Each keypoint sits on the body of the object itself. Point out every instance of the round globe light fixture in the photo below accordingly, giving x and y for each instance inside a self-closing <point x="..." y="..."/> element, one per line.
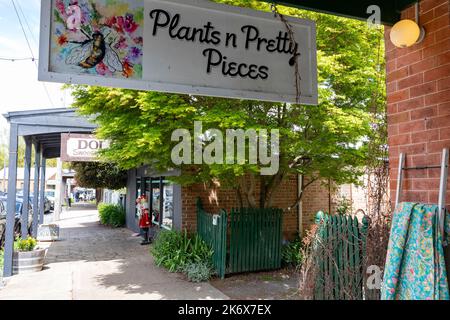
<point x="406" y="33"/>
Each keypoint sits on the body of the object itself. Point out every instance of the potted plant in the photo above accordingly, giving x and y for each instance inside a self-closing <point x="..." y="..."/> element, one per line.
<point x="28" y="257"/>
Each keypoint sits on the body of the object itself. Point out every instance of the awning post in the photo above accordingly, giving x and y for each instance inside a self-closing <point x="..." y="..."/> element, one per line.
<point x="11" y="202"/>
<point x="26" y="187"/>
<point x="37" y="165"/>
<point x="42" y="191"/>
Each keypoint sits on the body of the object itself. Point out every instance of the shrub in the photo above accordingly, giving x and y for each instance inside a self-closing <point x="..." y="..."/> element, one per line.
<point x="26" y="245"/>
<point x="170" y="250"/>
<point x="344" y="206"/>
<point x="175" y="250"/>
<point x="198" y="271"/>
<point x="291" y="253"/>
<point x="200" y="251"/>
<point x="111" y="215"/>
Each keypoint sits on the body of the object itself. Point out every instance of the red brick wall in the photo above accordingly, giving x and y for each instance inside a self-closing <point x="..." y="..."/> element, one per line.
<point x="214" y="199"/>
<point x="316" y="198"/>
<point x="418" y="86"/>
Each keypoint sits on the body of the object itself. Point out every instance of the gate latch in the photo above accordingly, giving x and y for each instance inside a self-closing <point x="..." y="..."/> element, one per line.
<point x="216" y="219"/>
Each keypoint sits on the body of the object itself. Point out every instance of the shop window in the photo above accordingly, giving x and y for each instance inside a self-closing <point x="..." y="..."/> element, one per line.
<point x="138" y="193"/>
<point x="160" y="195"/>
<point x="168" y="212"/>
<point x="155" y="203"/>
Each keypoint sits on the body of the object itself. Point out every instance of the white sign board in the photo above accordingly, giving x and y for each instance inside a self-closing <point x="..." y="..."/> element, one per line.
<point x="183" y="46"/>
<point x="81" y="147"/>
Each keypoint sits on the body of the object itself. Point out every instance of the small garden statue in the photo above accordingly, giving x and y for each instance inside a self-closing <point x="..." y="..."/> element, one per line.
<point x="142" y="206"/>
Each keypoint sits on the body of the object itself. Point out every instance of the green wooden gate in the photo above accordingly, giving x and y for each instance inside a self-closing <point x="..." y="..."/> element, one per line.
<point x="213" y="230"/>
<point x="250" y="240"/>
<point x="255" y="239"/>
<point x="340" y="248"/>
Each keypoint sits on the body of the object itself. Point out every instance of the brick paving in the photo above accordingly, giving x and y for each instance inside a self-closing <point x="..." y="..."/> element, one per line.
<point x="93" y="262"/>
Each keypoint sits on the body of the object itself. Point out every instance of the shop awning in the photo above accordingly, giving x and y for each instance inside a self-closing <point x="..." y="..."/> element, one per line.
<point x="390" y="9"/>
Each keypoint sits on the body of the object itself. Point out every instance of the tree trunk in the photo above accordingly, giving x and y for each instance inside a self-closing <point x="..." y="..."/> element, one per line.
<point x="239" y="197"/>
<point x="270" y="188"/>
<point x="247" y="191"/>
<point x="98" y="195"/>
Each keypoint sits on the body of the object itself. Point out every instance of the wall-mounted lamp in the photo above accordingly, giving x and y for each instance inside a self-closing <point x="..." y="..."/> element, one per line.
<point x="406" y="33"/>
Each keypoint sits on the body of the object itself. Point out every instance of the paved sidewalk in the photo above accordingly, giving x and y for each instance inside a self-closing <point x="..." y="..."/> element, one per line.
<point x="93" y="262"/>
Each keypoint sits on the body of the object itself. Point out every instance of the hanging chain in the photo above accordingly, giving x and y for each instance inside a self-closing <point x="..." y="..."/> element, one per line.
<point x="294" y="60"/>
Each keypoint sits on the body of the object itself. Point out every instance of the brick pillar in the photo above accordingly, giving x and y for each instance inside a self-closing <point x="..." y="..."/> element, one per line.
<point x="418" y="89"/>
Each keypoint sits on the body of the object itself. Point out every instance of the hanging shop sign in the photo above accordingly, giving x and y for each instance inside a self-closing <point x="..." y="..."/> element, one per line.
<point x="81" y="147"/>
<point x="183" y="46"/>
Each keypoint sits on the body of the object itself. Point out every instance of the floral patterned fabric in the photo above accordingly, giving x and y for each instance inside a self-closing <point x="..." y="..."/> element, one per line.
<point x="415" y="265"/>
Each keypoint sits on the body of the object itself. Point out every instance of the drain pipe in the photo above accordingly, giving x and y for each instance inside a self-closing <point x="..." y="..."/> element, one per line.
<point x="300" y="205"/>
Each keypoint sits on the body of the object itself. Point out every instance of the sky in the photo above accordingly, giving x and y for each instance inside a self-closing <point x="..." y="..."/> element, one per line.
<point x="19" y="87"/>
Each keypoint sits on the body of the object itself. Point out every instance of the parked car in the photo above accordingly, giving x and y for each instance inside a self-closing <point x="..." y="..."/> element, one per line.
<point x="47" y="203"/>
<point x="17" y="224"/>
<point x="50" y="195"/>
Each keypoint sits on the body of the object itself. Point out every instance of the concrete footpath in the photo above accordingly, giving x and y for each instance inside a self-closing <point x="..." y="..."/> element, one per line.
<point x="92" y="262"/>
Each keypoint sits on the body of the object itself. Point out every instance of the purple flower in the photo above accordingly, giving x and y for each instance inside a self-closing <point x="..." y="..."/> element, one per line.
<point x="135" y="53"/>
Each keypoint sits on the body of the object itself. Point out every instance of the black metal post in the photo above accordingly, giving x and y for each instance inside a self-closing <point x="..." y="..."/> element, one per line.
<point x="161" y="201"/>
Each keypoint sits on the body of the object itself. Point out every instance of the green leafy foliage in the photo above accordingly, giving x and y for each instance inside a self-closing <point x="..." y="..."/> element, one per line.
<point x="112" y="215"/>
<point x="175" y="250"/>
<point x="96" y="175"/>
<point x="344" y="206"/>
<point x="25" y="245"/>
<point x="198" y="271"/>
<point x="291" y="253"/>
<point x="328" y="141"/>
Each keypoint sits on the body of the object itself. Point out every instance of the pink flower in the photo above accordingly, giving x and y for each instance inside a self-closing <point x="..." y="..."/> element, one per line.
<point x="138" y="40"/>
<point x="61" y="8"/>
<point x="110" y="22"/>
<point x="102" y="69"/>
<point x="121" y="44"/>
<point x="128" y="24"/>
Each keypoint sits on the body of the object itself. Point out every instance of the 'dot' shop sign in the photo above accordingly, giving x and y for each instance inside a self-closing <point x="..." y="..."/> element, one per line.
<point x="182" y="46"/>
<point x="81" y="147"/>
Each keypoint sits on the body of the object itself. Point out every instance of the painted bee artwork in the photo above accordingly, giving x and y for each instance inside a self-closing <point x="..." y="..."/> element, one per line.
<point x="94" y="51"/>
<point x="97" y="37"/>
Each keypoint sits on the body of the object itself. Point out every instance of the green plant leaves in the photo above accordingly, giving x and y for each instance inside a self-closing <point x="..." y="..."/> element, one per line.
<point x="291" y="253"/>
<point x="198" y="271"/>
<point x="25" y="245"/>
<point x="112" y="215"/>
<point x="175" y="250"/>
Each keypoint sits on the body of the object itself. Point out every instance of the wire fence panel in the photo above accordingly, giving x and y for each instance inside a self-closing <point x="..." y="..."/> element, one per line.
<point x="340" y="248"/>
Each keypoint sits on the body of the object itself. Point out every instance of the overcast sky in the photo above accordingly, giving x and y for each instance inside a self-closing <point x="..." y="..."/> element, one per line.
<point x="19" y="87"/>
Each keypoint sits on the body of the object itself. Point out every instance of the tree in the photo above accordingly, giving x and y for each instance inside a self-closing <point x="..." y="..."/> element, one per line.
<point x="326" y="141"/>
<point x="97" y="175"/>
